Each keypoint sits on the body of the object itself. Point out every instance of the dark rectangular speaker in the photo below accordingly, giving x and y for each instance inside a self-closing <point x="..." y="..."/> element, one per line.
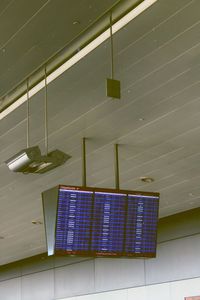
<point x="113" y="88"/>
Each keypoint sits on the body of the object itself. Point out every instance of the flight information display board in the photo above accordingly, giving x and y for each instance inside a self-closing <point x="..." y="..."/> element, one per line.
<point x="106" y="222"/>
<point x="74" y="220"/>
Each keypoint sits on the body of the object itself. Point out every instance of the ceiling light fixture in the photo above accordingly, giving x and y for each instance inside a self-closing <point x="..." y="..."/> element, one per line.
<point x="36" y="222"/>
<point x="147" y="179"/>
<point x="30" y="160"/>
<point x="78" y="56"/>
<point x="191" y="194"/>
<point x="76" y="23"/>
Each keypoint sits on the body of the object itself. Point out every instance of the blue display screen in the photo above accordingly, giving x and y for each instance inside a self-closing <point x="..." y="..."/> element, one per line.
<point x="97" y="222"/>
<point x="74" y="220"/>
<point x="109" y="219"/>
<point x="141" y="224"/>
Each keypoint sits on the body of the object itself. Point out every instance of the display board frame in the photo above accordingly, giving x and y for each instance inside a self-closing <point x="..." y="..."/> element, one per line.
<point x="51" y="232"/>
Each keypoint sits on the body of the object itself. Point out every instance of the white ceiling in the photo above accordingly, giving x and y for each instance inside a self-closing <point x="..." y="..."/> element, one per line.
<point x="32" y="31"/>
<point x="156" y="124"/>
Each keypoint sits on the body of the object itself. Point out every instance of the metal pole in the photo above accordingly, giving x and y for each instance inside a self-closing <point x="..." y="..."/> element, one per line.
<point x="111" y="47"/>
<point x="116" y="167"/>
<point x="83" y="163"/>
<point x="46" y="112"/>
<point x="28" y="117"/>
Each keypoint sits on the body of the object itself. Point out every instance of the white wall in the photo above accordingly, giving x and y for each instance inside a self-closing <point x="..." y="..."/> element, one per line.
<point x="165" y="291"/>
<point x="172" y="275"/>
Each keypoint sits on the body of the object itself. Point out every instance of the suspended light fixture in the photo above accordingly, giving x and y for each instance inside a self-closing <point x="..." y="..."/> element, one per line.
<point x="30" y="160"/>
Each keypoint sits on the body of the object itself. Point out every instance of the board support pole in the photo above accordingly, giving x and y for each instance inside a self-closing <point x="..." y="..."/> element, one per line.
<point x="116" y="164"/>
<point x="28" y="117"/>
<point x="84" y="171"/>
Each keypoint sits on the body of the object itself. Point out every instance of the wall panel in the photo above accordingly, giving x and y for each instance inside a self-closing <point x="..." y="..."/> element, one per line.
<point x="177" y="259"/>
<point x="10" y="289"/>
<point x="38" y="286"/>
<point x="186" y="288"/>
<point x="74" y="279"/>
<point x="118" y="273"/>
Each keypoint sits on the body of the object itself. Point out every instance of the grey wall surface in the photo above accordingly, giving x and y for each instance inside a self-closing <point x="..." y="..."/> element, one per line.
<point x="49" y="278"/>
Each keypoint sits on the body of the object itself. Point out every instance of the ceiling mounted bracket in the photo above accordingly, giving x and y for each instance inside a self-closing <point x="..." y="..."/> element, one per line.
<point x="116" y="165"/>
<point x="84" y="170"/>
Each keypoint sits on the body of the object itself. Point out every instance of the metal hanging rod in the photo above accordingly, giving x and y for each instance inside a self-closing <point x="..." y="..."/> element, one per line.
<point x="84" y="171"/>
<point x="46" y="113"/>
<point x="116" y="164"/>
<point x="111" y="47"/>
<point x="28" y="116"/>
